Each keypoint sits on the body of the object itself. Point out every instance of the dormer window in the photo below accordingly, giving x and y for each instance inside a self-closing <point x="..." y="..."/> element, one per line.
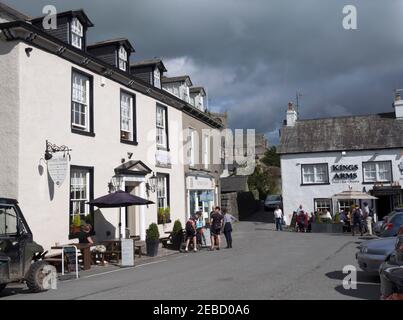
<point x="157" y="78"/>
<point x="122" y="58"/>
<point x="77" y="33"/>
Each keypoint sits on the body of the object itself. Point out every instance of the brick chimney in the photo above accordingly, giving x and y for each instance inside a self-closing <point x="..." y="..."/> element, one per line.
<point x="292" y="115"/>
<point x="398" y="104"/>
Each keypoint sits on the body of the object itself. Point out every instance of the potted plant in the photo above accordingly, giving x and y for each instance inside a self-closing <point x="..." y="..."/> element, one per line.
<point x="167" y="214"/>
<point x="152" y="240"/>
<point x="177" y="235"/>
<point x="76" y="224"/>
<point x="161" y="216"/>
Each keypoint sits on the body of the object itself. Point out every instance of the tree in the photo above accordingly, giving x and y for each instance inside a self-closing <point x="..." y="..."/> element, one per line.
<point x="271" y="158"/>
<point x="263" y="181"/>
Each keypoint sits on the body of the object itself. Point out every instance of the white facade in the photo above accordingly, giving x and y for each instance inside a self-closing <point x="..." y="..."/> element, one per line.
<point x="35" y="106"/>
<point x="296" y="191"/>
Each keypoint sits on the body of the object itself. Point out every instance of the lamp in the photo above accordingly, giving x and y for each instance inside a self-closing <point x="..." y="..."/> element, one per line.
<point x="152" y="182"/>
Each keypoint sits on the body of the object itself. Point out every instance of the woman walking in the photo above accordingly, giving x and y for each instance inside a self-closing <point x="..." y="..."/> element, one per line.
<point x="228" y="219"/>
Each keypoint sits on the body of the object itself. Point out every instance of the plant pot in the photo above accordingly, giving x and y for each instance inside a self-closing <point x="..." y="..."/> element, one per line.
<point x="75" y="230"/>
<point x="177" y="240"/>
<point x="152" y="247"/>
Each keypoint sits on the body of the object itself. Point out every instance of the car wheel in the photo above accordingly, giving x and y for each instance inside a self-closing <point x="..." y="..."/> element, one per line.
<point x="36" y="276"/>
<point x="2" y="286"/>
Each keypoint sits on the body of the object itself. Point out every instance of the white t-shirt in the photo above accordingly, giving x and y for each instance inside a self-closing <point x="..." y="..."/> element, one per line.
<point x="278" y="213"/>
<point x="327" y="215"/>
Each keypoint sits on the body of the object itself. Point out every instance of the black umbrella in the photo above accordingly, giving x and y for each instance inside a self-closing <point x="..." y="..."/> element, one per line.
<point x="119" y="199"/>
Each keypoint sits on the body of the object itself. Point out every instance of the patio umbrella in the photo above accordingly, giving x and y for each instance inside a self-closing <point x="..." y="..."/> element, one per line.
<point x="353" y="195"/>
<point x="119" y="199"/>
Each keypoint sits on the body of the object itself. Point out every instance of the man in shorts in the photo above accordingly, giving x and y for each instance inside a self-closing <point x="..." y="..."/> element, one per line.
<point x="216" y="220"/>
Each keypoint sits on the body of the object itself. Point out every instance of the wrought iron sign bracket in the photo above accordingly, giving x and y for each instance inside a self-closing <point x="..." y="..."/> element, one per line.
<point x="52" y="148"/>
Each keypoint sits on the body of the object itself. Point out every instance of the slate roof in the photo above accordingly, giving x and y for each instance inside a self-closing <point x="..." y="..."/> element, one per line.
<point x="234" y="184"/>
<point x="13" y="13"/>
<point x="149" y="62"/>
<point x="176" y="79"/>
<point x="368" y="132"/>
<point x="197" y="90"/>
<point x="79" y="13"/>
<point x="120" y="41"/>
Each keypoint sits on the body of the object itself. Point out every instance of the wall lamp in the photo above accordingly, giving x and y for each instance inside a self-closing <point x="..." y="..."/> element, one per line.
<point x="151" y="183"/>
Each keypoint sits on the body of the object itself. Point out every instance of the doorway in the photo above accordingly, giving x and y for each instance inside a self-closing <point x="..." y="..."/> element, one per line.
<point x="131" y="214"/>
<point x="384" y="206"/>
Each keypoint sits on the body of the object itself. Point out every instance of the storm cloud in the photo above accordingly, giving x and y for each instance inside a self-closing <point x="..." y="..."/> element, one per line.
<point x="254" y="55"/>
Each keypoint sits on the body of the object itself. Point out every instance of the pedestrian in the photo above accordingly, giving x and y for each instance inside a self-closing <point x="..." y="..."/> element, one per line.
<point x="199" y="228"/>
<point x="301" y="221"/>
<point x="216" y="225"/>
<point x="278" y="216"/>
<point x="227" y="221"/>
<point x="357" y="220"/>
<point x="368" y="214"/>
<point x="191" y="233"/>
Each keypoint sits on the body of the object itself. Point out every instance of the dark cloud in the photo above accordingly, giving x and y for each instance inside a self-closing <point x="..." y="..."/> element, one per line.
<point x="253" y="55"/>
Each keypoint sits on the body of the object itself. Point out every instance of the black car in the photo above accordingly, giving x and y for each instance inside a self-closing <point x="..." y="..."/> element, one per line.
<point x="391" y="271"/>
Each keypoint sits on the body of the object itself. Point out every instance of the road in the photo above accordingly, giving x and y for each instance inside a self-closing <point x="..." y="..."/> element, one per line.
<point x="263" y="264"/>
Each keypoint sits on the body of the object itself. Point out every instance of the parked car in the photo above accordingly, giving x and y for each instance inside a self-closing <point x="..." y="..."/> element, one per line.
<point x="372" y="253"/>
<point x="391" y="271"/>
<point x="391" y="228"/>
<point x="379" y="224"/>
<point x="272" y="201"/>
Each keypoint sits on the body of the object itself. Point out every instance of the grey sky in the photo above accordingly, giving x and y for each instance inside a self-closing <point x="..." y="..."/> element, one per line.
<point x="253" y="55"/>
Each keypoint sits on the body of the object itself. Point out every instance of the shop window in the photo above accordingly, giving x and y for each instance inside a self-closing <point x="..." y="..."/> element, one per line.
<point x="81" y="191"/>
<point x="323" y="205"/>
<point x="346" y="205"/>
<point x="379" y="171"/>
<point x="315" y="173"/>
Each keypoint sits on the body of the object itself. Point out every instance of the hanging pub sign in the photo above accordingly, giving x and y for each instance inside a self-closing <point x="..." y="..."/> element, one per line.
<point x="345" y="172"/>
<point x="57" y="160"/>
<point x="57" y="168"/>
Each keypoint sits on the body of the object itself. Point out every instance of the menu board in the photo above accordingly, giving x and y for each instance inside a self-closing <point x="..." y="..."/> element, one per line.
<point x="127" y="246"/>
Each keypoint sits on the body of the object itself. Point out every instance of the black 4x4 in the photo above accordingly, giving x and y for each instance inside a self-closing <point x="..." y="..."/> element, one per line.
<point x="21" y="259"/>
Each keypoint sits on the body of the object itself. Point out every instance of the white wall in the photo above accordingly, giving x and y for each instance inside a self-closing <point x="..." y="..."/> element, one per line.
<point x="295" y="194"/>
<point x="45" y="104"/>
<point x="9" y="120"/>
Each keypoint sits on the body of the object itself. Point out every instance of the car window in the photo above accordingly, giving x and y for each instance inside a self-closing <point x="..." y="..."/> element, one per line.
<point x="397" y="219"/>
<point x="8" y="221"/>
<point x="273" y="198"/>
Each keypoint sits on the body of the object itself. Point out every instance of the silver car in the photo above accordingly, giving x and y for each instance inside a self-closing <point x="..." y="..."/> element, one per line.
<point x="373" y="253"/>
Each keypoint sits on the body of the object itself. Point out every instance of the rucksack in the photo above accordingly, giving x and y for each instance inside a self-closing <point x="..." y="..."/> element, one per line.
<point x="371" y="212"/>
<point x="189" y="225"/>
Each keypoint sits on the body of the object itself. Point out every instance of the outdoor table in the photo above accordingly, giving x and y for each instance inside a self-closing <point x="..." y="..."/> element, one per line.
<point x="85" y="250"/>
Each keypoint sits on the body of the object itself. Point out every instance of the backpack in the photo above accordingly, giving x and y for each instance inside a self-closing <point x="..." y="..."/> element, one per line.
<point x="189" y="225"/>
<point x="371" y="212"/>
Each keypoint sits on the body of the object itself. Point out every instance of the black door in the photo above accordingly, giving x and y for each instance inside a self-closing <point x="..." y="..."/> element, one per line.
<point x="383" y="206"/>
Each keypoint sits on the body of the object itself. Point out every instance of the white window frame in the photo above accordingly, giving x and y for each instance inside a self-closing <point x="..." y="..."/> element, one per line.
<point x="310" y="173"/>
<point x="157" y="78"/>
<point x="323" y="204"/>
<point x="80" y="106"/>
<point x="161" y="127"/>
<point x="206" y="151"/>
<point x="126" y="116"/>
<point x="162" y="191"/>
<point x="374" y="171"/>
<point x="80" y="182"/>
<point x="77" y="33"/>
<point x="122" y="58"/>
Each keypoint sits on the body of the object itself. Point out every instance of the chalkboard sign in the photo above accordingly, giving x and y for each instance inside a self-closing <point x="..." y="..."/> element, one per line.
<point x="127" y="253"/>
<point x="207" y="235"/>
<point x="70" y="257"/>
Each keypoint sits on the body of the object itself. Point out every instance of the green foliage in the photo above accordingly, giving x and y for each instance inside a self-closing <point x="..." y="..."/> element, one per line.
<point x="177" y="229"/>
<point x="161" y="215"/>
<point x="152" y="232"/>
<point x="76" y="221"/>
<point x="336" y="218"/>
<point x="271" y="158"/>
<point x="167" y="214"/>
<point x="262" y="181"/>
<point x="326" y="220"/>
<point x="318" y="218"/>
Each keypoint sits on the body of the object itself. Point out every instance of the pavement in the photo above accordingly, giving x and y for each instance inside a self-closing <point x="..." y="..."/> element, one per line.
<point x="263" y="264"/>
